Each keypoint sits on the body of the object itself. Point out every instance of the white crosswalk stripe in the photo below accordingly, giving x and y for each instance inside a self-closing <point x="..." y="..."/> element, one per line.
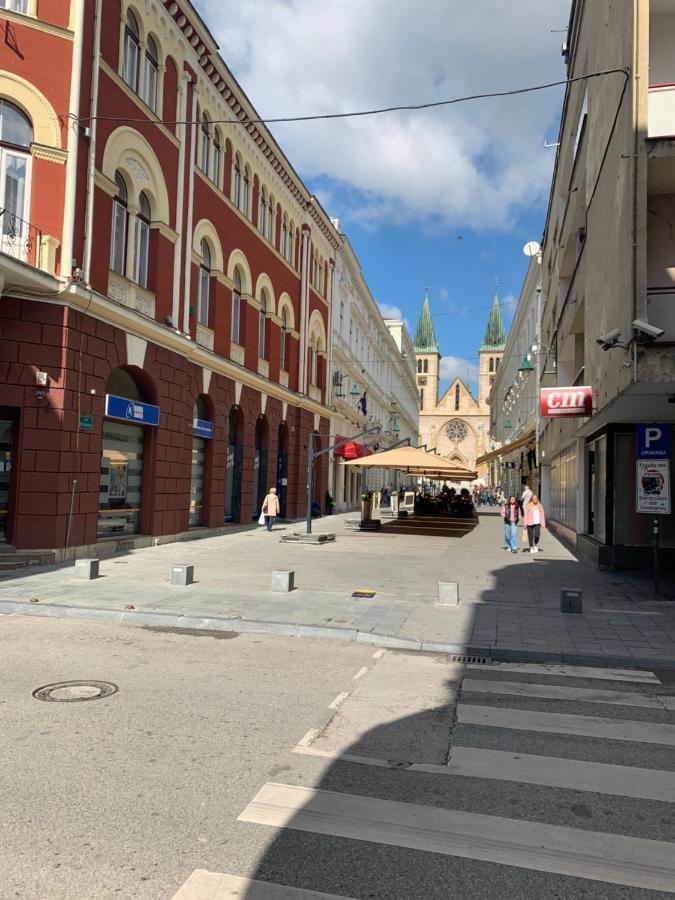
<point x="634" y="858"/>
<point x="203" y="885"/>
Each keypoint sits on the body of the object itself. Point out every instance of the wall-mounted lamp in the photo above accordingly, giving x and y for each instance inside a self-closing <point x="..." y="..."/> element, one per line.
<point x="41" y="379"/>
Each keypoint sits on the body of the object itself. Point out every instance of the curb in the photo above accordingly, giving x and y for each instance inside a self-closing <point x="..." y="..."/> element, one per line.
<point x="325" y="632"/>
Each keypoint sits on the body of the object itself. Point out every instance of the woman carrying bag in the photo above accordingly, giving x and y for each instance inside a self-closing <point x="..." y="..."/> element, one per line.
<point x="511" y="515"/>
<point x="535" y="520"/>
<point x="270" y="508"/>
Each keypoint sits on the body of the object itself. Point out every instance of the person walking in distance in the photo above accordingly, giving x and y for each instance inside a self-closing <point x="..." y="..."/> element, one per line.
<point x="271" y="507"/>
<point x="535" y="520"/>
<point x="511" y="515"/>
<point x="525" y="498"/>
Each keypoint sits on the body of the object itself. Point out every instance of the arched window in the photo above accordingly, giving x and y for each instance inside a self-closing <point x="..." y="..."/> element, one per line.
<point x="270" y="220"/>
<point x="236" y="182"/>
<point x="215" y="162"/>
<point x="283" y="338"/>
<point x="426" y="366"/>
<point x="204" y="283"/>
<point x="262" y="211"/>
<point x="150" y="75"/>
<point x="246" y="200"/>
<point x="456" y="397"/>
<point x="419" y="366"/>
<point x="16" y="135"/>
<point x="120" y="221"/>
<point x="142" y="241"/>
<point x="315" y="349"/>
<point x="236" y="307"/>
<point x="262" y="325"/>
<point x="206" y="146"/>
<point x="132" y="52"/>
<point x="497" y="361"/>
<point x="291" y="243"/>
<point x="492" y="364"/>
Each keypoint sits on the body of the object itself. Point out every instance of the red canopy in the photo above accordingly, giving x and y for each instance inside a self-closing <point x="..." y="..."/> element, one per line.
<point x="350" y="450"/>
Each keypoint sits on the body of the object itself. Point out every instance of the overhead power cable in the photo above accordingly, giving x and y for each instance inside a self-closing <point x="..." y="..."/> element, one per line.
<point x="413" y="107"/>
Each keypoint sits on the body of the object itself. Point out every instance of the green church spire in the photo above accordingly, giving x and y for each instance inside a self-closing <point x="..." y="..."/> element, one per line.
<point x="494" y="340"/>
<point x="425" y="336"/>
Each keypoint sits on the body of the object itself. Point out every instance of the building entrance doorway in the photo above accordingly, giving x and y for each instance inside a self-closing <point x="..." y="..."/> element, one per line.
<point x="235" y="467"/>
<point x="6" y="427"/>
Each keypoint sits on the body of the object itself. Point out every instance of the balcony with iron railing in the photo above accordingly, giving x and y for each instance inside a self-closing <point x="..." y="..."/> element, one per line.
<point x="19" y="239"/>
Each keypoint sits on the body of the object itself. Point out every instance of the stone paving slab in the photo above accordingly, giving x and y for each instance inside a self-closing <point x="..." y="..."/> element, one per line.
<point x="509" y="603"/>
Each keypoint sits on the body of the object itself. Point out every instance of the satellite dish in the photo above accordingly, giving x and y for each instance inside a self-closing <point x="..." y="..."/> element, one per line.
<point x="531" y="248"/>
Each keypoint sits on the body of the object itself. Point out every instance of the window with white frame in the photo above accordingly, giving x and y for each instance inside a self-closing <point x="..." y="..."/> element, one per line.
<point x="291" y="243"/>
<point x="236" y="308"/>
<point x="262" y="211"/>
<point x="236" y="182"/>
<point x="142" y="241"/>
<point x="283" y="338"/>
<point x="150" y="75"/>
<point x="206" y="146"/>
<point x="20" y="6"/>
<point x="120" y="222"/>
<point x="262" y="325"/>
<point x="204" y="283"/>
<point x="284" y="239"/>
<point x="215" y="161"/>
<point x="16" y="136"/>
<point x="132" y="52"/>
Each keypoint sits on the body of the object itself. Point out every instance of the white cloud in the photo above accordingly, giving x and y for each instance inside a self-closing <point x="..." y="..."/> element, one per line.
<point x="476" y="163"/>
<point x="509" y="302"/>
<point x="390" y="312"/>
<point x="456" y="367"/>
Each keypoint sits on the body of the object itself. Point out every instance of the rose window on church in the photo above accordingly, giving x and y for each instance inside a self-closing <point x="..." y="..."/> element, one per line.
<point x="456" y="431"/>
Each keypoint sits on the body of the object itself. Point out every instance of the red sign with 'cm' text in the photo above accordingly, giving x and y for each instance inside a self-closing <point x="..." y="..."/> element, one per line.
<point x="561" y="402"/>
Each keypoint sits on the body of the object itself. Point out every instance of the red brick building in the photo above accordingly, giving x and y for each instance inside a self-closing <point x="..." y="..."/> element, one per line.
<point x="165" y="283"/>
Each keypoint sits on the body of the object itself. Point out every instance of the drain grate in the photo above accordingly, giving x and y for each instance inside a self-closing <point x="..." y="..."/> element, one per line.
<point x="75" y="691"/>
<point x="472" y="660"/>
<point x="364" y="593"/>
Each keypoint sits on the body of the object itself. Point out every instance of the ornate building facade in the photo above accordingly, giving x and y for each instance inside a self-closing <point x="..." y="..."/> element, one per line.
<point x="457" y="426"/>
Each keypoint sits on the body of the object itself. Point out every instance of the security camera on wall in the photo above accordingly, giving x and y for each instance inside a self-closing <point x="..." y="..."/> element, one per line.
<point x="646" y="332"/>
<point x="609" y="340"/>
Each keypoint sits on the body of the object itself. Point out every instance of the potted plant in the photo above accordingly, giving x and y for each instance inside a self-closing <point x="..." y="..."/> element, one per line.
<point x="366" y="506"/>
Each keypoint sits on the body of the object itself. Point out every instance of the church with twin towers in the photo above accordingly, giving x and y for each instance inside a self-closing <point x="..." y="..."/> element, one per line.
<point x="457" y="425"/>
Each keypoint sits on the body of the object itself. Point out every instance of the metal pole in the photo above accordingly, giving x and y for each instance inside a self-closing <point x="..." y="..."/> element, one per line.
<point x="310" y="480"/>
<point x="656" y="556"/>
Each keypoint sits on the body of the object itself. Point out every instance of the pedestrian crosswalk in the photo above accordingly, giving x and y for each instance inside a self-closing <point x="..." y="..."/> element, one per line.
<point x="552" y="802"/>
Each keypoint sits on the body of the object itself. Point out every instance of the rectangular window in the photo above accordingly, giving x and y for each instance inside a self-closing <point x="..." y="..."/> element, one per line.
<point x="421" y="399"/>
<point x="150" y="85"/>
<point x="215" y="174"/>
<point x="236" y="309"/>
<point x="131" y="60"/>
<point x="203" y="311"/>
<point x="118" y="250"/>
<point x="20" y="6"/>
<point x="581" y="125"/>
<point x="142" y="244"/>
<point x="261" y="334"/>
<point x="282" y="349"/>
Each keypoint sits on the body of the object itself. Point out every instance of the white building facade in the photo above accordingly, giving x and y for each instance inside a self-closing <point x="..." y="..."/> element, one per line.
<point x="372" y="381"/>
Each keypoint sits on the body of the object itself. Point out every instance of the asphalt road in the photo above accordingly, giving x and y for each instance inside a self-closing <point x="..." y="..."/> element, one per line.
<point x="324" y="767"/>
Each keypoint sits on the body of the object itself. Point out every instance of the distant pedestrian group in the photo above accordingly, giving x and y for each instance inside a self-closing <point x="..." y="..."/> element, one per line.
<point x="527" y="512"/>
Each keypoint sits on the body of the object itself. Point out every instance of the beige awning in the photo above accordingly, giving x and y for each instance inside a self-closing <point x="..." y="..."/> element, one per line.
<point x="506" y="449"/>
<point x="414" y="461"/>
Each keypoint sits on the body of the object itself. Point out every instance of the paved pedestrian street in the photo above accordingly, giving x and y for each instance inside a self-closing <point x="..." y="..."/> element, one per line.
<point x="257" y="766"/>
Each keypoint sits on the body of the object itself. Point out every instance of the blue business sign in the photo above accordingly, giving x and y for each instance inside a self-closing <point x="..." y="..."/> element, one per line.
<point x="131" y="410"/>
<point x="201" y="428"/>
<point x="653" y="441"/>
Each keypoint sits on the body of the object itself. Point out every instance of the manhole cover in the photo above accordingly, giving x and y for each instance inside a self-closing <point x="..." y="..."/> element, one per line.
<point x="73" y="691"/>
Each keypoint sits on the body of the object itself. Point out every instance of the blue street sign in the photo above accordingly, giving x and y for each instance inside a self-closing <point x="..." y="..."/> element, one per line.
<point x="201" y="428"/>
<point x="653" y="441"/>
<point x="131" y="410"/>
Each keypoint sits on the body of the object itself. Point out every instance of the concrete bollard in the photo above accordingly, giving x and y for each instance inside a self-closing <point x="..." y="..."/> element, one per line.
<point x="571" y="600"/>
<point x="283" y="582"/>
<point x="448" y="593"/>
<point x="182" y="575"/>
<point x="87" y="569"/>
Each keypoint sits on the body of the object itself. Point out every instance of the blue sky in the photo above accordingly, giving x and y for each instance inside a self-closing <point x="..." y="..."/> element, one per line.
<point x="442" y="198"/>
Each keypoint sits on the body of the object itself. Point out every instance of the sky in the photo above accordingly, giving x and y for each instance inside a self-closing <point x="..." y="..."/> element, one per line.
<point x="442" y="199"/>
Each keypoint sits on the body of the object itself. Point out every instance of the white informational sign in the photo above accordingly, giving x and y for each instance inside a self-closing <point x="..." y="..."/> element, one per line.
<point x="408" y="500"/>
<point x="653" y="486"/>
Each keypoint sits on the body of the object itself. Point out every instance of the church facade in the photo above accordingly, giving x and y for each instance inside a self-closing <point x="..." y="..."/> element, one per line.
<point x="457" y="425"/>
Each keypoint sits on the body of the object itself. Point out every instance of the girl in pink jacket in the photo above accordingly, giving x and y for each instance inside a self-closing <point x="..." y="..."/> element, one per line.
<point x="535" y="520"/>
